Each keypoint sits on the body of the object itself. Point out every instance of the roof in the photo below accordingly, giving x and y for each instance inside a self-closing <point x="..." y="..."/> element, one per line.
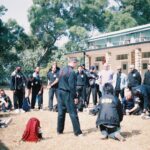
<point x="120" y="32"/>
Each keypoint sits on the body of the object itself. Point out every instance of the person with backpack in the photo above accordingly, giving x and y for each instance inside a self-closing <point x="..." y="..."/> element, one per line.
<point x="67" y="97"/>
<point x="32" y="131"/>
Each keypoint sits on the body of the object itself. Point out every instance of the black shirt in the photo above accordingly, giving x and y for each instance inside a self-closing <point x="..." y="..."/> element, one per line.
<point x="81" y="79"/>
<point x="35" y="84"/>
<point x="68" y="80"/>
<point x="147" y="78"/>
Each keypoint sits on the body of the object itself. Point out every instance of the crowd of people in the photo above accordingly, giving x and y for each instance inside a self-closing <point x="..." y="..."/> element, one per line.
<point x="114" y="94"/>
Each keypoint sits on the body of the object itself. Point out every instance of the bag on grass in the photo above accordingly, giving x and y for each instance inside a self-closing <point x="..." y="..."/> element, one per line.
<point x="32" y="132"/>
<point x="26" y="104"/>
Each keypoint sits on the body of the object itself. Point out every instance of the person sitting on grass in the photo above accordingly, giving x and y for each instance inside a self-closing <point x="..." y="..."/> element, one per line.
<point x="110" y="114"/>
<point x="130" y="103"/>
<point x="5" y="102"/>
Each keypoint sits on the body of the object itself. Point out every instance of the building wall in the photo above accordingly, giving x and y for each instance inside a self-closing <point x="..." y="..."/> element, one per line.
<point x="133" y="52"/>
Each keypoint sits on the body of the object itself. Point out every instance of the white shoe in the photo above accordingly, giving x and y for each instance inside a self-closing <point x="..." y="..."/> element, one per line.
<point x="41" y="110"/>
<point x="17" y="111"/>
<point x="22" y="111"/>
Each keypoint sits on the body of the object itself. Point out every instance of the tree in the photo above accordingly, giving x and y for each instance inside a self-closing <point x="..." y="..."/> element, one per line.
<point x="52" y="19"/>
<point x="138" y="9"/>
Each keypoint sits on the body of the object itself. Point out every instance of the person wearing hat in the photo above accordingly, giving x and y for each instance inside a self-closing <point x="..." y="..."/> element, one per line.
<point x="18" y="82"/>
<point x="67" y="97"/>
<point x="119" y="82"/>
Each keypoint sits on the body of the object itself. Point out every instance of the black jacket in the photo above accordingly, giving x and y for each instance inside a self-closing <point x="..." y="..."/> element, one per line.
<point x="81" y="79"/>
<point x="134" y="78"/>
<point x="147" y="78"/>
<point x="110" y="111"/>
<point x="68" y="80"/>
<point x="18" y="81"/>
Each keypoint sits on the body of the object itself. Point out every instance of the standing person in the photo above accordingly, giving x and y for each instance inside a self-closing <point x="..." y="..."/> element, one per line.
<point x="110" y="114"/>
<point x="146" y="83"/>
<point x="119" y="82"/>
<point x="35" y="86"/>
<point x="81" y="88"/>
<point x="134" y="78"/>
<point x="93" y="86"/>
<point x="106" y="76"/>
<point x="52" y="76"/>
<point x="67" y="98"/>
<point x="18" y="82"/>
<point x="87" y="72"/>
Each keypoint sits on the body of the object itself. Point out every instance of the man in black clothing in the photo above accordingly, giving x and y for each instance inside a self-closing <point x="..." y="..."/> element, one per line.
<point x="81" y="88"/>
<point x="134" y="78"/>
<point x="110" y="114"/>
<point x="67" y="98"/>
<point x="93" y="86"/>
<point x="34" y="85"/>
<point x="146" y="83"/>
<point x="52" y="76"/>
<point x="18" y="82"/>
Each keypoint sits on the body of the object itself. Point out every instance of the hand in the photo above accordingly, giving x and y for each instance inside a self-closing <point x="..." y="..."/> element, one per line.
<point x="127" y="112"/>
<point x="39" y="93"/>
<point x="49" y="86"/>
<point x="76" y="100"/>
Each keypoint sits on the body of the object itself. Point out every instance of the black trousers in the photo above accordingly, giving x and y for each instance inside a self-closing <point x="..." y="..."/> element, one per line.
<point x="33" y="99"/>
<point x="92" y="89"/>
<point x="18" y="98"/>
<point x="121" y="92"/>
<point x="66" y="104"/>
<point x="52" y="91"/>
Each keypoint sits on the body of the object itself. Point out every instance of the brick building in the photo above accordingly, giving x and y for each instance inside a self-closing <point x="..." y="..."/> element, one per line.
<point x="124" y="47"/>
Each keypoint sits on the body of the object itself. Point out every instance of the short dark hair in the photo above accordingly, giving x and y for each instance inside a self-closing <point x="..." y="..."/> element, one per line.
<point x="108" y="88"/>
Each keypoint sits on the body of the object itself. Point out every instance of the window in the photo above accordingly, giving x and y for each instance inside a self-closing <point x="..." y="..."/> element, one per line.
<point x="122" y="57"/>
<point x="146" y="55"/>
<point x="144" y="66"/>
<point x="101" y="58"/>
<point x="124" y="66"/>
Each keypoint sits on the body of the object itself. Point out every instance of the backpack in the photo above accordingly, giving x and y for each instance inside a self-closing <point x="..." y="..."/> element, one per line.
<point x="31" y="133"/>
<point x="26" y="104"/>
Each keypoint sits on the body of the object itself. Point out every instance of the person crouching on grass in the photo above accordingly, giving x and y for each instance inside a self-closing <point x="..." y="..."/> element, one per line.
<point x="110" y="114"/>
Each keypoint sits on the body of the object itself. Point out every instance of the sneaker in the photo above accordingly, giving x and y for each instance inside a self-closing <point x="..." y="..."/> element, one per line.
<point x="41" y="110"/>
<point x="22" y="111"/>
<point x="80" y="135"/>
<point x="17" y="111"/>
<point x="104" y="135"/>
<point x="119" y="137"/>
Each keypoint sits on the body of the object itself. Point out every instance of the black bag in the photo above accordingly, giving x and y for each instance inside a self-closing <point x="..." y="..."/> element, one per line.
<point x="26" y="104"/>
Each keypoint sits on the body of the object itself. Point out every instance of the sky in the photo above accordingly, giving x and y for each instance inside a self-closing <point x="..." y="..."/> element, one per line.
<point x="18" y="10"/>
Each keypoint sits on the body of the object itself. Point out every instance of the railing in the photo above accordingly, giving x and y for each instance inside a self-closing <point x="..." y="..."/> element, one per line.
<point x="120" y="43"/>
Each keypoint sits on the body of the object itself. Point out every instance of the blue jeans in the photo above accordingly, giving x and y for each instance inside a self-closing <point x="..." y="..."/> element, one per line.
<point x="52" y="91"/>
<point x="66" y="104"/>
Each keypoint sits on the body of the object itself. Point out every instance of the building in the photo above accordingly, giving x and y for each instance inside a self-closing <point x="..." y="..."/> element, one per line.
<point x="124" y="47"/>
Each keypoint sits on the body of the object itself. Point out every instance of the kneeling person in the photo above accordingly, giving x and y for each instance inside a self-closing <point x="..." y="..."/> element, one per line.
<point x="110" y="114"/>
